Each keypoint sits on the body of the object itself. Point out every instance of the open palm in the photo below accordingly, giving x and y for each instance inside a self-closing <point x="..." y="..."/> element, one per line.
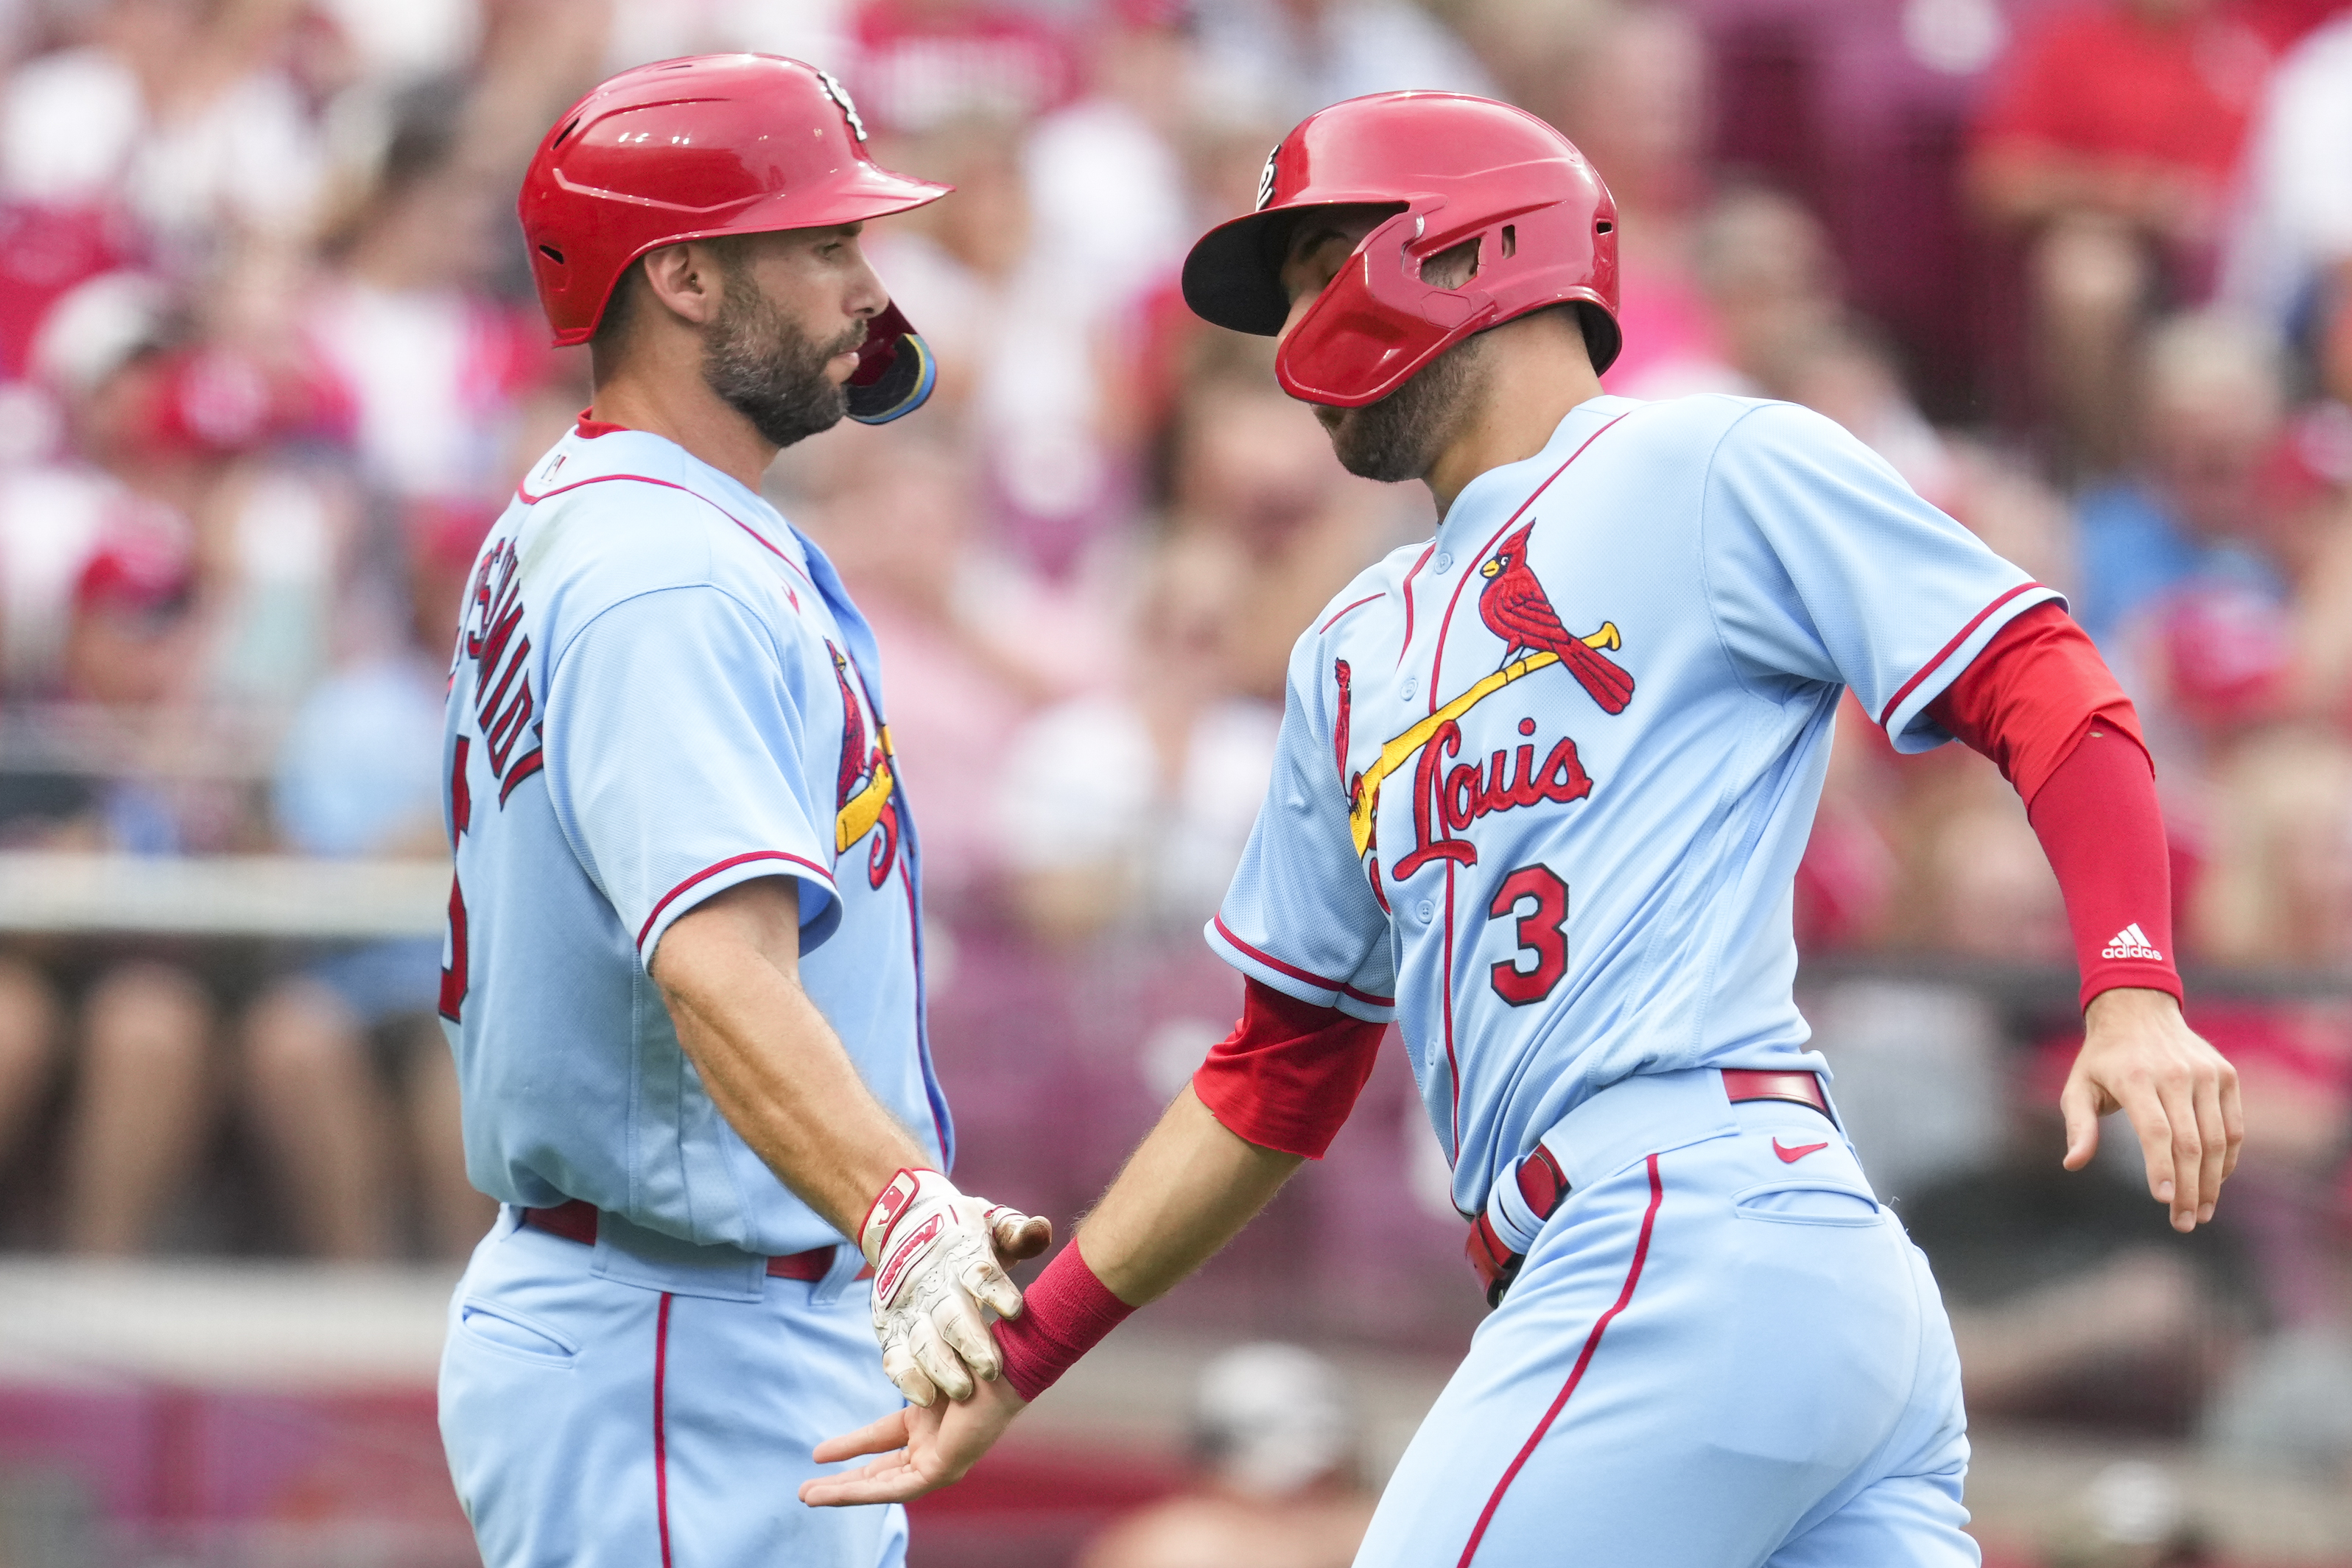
<point x="921" y="1449"/>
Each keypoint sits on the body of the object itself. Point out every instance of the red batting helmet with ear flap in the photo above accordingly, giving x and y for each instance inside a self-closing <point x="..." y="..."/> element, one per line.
<point x="1453" y="168"/>
<point x="692" y="149"/>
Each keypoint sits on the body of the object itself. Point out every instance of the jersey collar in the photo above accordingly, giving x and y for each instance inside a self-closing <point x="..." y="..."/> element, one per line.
<point x="614" y="451"/>
<point x="1507" y="486"/>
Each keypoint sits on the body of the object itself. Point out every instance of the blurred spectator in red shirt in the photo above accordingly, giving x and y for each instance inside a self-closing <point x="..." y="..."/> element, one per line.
<point x="2109" y="135"/>
<point x="921" y="64"/>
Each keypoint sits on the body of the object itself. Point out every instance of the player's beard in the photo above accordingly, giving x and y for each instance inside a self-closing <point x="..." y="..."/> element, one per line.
<point x="1402" y="436"/>
<point x="771" y="371"/>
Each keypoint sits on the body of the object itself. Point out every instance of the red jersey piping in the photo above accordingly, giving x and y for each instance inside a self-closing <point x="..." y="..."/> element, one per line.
<point x="529" y="499"/>
<point x="1295" y="972"/>
<point x="1404" y="647"/>
<point x="1944" y="652"/>
<point x="1344" y="609"/>
<point x="706" y="872"/>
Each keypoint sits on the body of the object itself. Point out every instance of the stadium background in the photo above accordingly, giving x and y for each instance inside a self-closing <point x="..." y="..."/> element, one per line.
<point x="2082" y="269"/>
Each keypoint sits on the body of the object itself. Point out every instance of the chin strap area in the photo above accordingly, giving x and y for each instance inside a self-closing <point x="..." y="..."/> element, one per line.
<point x="895" y="371"/>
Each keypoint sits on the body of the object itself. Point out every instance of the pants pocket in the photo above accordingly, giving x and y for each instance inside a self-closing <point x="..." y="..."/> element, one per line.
<point x="496" y="1326"/>
<point x="1814" y="1202"/>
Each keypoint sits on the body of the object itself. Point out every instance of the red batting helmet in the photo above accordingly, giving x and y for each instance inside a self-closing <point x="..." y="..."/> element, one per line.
<point x="718" y="145"/>
<point x="1454" y="168"/>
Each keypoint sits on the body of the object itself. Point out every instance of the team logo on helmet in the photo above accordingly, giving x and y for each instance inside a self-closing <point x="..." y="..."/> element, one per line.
<point x="840" y="95"/>
<point x="1266" y="179"/>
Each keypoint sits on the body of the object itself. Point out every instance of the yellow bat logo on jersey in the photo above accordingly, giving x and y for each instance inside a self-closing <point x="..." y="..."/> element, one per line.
<point x="1366" y="802"/>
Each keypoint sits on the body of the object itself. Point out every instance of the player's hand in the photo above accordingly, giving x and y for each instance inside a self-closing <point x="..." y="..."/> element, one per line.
<point x="2140" y="1058"/>
<point x="923" y="1448"/>
<point x="938" y="1257"/>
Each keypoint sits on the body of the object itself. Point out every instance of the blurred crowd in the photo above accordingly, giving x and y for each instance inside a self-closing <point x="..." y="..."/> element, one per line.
<point x="2079" y="270"/>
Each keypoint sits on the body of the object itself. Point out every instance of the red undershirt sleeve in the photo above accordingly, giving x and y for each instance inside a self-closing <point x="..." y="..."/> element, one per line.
<point x="1289" y="1073"/>
<point x="2043" y="705"/>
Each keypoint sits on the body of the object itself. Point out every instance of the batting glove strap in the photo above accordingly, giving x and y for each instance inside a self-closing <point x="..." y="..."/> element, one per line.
<point x="1065" y="1313"/>
<point x="905" y="1189"/>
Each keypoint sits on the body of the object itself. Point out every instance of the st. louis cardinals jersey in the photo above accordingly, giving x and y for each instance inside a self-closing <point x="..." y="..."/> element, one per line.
<point x="1543" y="781"/>
<point x="660" y="691"/>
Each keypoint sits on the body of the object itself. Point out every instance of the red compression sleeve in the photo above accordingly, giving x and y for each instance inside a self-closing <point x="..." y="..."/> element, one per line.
<point x="2097" y="819"/>
<point x="2023" y="700"/>
<point x="1289" y="1073"/>
<point x="1064" y="1315"/>
<point x="2043" y="705"/>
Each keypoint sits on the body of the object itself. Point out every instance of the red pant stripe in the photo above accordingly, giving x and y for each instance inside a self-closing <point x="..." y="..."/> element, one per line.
<point x="1576" y="1375"/>
<point x="661" y="1437"/>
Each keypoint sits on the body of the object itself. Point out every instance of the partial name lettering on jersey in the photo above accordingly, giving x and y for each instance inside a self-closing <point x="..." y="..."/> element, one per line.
<point x="495" y="648"/>
<point x="1544" y="780"/>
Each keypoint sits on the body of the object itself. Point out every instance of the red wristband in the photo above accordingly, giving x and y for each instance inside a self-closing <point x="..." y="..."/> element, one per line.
<point x="1064" y="1315"/>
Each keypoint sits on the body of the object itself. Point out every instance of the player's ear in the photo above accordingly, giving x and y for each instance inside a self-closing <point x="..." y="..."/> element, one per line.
<point x="688" y="280"/>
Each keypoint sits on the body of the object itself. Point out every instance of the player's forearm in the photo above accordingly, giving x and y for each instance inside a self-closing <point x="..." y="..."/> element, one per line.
<point x="1188" y="1189"/>
<point x="772" y="1063"/>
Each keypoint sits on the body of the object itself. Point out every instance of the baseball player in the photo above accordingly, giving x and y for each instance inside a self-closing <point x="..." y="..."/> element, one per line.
<point x="1543" y="785"/>
<point x="684" y="981"/>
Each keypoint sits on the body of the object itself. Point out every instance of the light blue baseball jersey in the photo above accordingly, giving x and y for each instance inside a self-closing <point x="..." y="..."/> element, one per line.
<point x="662" y="690"/>
<point x="1544" y="780"/>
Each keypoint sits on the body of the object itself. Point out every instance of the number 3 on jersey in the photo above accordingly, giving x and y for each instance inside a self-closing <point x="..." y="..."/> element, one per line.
<point x="1536" y="900"/>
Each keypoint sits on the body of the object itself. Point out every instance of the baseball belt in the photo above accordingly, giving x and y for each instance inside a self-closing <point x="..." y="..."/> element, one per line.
<point x="1544" y="1187"/>
<point x="577" y="1221"/>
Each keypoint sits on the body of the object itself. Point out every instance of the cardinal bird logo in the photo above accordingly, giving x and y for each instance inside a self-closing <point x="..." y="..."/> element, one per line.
<point x="1515" y="607"/>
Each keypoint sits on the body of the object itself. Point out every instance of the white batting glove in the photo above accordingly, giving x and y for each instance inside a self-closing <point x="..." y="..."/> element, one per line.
<point x="939" y="1257"/>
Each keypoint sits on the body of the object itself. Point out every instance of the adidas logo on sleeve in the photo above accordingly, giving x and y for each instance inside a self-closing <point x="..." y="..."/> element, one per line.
<point x="2131" y="942"/>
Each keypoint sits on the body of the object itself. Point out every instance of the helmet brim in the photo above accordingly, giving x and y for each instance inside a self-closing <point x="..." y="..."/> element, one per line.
<point x="864" y="191"/>
<point x="1231" y="281"/>
<point x="1233" y="275"/>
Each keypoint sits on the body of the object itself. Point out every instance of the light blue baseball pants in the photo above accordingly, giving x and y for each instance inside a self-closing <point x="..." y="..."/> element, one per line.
<point x="647" y="1403"/>
<point x="1720" y="1353"/>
